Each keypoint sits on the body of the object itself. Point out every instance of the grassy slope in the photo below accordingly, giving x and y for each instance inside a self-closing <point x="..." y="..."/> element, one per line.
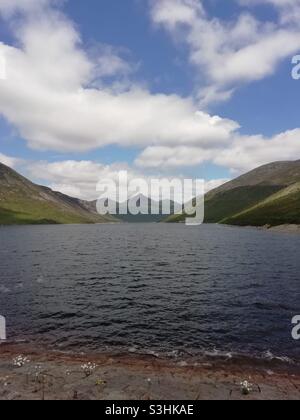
<point x="268" y="195"/>
<point x="244" y="201"/>
<point x="26" y="211"/>
<point x="22" y="202"/>
<point x="227" y="203"/>
<point x="281" y="208"/>
<point x="21" y="209"/>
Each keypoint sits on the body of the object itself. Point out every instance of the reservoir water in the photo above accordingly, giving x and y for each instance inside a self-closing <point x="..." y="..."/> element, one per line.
<point x="151" y="288"/>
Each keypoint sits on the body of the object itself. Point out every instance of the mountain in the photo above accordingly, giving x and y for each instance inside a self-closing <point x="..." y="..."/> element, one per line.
<point x="279" y="209"/>
<point x="23" y="202"/>
<point x="268" y="195"/>
<point x="146" y="204"/>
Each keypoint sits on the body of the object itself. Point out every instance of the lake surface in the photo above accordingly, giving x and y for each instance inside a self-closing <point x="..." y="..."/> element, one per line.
<point x="167" y="289"/>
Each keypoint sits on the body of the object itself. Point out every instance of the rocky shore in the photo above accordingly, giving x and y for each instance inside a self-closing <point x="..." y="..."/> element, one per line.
<point x="30" y="375"/>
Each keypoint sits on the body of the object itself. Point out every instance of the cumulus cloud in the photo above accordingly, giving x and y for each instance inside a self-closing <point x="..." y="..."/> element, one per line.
<point x="48" y="96"/>
<point x="10" y="161"/>
<point x="109" y="62"/>
<point x="80" y="178"/>
<point x="76" y="178"/>
<point x="173" y="157"/>
<point x="233" y="52"/>
<point x="241" y="155"/>
<point x="9" y="8"/>
<point x="289" y="10"/>
<point x="58" y="96"/>
<point x="248" y="152"/>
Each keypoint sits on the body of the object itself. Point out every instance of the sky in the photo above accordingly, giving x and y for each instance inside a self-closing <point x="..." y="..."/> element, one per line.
<point x="160" y="88"/>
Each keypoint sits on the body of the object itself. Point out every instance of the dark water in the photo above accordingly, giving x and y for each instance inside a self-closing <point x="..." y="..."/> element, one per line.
<point x="151" y="288"/>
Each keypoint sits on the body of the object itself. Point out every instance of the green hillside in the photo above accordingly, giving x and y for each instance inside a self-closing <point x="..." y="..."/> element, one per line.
<point x="26" y="211"/>
<point x="279" y="209"/>
<point x="268" y="195"/>
<point x="22" y="202"/>
<point x="228" y="203"/>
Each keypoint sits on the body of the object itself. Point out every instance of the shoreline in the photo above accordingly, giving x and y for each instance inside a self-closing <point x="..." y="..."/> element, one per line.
<point x="286" y="228"/>
<point x="60" y="376"/>
<point x="294" y="229"/>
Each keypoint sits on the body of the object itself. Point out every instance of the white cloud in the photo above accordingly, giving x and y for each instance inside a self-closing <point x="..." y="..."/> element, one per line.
<point x="47" y="97"/>
<point x="109" y="62"/>
<point x="10" y="161"/>
<point x="241" y="155"/>
<point x="51" y="96"/>
<point x="172" y="157"/>
<point x="80" y="178"/>
<point x="9" y="7"/>
<point x="232" y="52"/>
<point x="249" y="152"/>
<point x="174" y="12"/>
<point x="289" y="10"/>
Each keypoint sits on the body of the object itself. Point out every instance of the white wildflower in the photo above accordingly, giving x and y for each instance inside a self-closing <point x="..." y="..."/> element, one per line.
<point x="20" y="361"/>
<point x="246" y="388"/>
<point x="88" y="368"/>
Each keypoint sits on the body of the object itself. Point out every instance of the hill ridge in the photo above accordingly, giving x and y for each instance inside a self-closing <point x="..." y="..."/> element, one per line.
<point x="23" y="202"/>
<point x="269" y="187"/>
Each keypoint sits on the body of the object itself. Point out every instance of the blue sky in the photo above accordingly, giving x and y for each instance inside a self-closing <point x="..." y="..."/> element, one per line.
<point x="168" y="87"/>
